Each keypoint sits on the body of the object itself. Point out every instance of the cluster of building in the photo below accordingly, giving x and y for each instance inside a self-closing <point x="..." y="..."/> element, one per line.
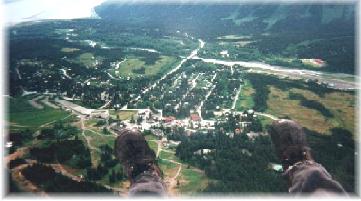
<point x="153" y="121"/>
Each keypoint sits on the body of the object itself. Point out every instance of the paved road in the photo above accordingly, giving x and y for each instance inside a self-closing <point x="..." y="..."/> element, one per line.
<point x="267" y="115"/>
<point x="236" y="97"/>
<point x="192" y="55"/>
<point x="199" y="108"/>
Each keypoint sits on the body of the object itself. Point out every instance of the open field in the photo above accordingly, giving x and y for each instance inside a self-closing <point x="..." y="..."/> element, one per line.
<point x="341" y="105"/>
<point x="153" y="145"/>
<point x="166" y="165"/>
<point x="281" y="106"/>
<point x="99" y="139"/>
<point x="23" y="116"/>
<point x="123" y="114"/>
<point x="168" y="155"/>
<point x="265" y="121"/>
<point x="233" y="37"/>
<point x="245" y="100"/>
<point x="127" y="67"/>
<point x="118" y="184"/>
<point x="67" y="49"/>
<point x="151" y="137"/>
<point x="87" y="59"/>
<point x="192" y="180"/>
<point x="95" y="141"/>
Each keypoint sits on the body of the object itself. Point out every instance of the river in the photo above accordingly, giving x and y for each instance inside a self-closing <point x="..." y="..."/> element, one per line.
<point x="333" y="80"/>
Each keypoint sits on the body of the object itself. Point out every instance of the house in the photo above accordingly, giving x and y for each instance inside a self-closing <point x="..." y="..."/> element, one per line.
<point x="157" y="132"/>
<point x="203" y="152"/>
<point x="169" y="119"/>
<point x="179" y="123"/>
<point x="208" y="124"/>
<point x="117" y="126"/>
<point x="252" y="135"/>
<point x="104" y="114"/>
<point x="173" y="144"/>
<point x="276" y="167"/>
<point x="195" y="117"/>
<point x="250" y="112"/>
<point x="9" y="144"/>
<point x="224" y="53"/>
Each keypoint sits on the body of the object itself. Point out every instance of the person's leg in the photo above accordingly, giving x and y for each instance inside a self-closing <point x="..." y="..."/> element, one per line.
<point x="303" y="173"/>
<point x="139" y="161"/>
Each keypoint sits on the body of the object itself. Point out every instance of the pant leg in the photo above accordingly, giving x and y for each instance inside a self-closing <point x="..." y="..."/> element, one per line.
<point x="147" y="184"/>
<point x="311" y="177"/>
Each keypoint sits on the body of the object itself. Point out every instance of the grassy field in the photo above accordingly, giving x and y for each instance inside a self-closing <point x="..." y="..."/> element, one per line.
<point x="168" y="168"/>
<point x="245" y="100"/>
<point x="123" y="114"/>
<point x="98" y="139"/>
<point x="67" y="49"/>
<point x="151" y="137"/>
<point x="105" y="178"/>
<point x="153" y="145"/>
<point x="23" y="116"/>
<point x="233" y="37"/>
<point x="90" y="122"/>
<point x="162" y="65"/>
<point x="165" y="165"/>
<point x="87" y="59"/>
<point x="168" y="155"/>
<point x="265" y="121"/>
<point x="341" y="105"/>
<point x="95" y="141"/>
<point x="192" y="180"/>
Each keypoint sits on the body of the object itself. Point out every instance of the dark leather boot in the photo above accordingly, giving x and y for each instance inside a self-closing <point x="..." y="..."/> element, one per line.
<point x="290" y="142"/>
<point x="134" y="153"/>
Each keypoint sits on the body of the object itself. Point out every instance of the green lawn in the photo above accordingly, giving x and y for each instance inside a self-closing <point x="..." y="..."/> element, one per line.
<point x="22" y="115"/>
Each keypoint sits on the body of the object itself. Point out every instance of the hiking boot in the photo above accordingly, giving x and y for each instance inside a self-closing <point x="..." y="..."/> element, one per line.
<point x="134" y="153"/>
<point x="289" y="141"/>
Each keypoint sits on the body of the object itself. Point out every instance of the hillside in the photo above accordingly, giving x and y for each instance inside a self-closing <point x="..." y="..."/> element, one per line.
<point x="322" y="31"/>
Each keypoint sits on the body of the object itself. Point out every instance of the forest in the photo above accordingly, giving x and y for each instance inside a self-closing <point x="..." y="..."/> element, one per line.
<point x="240" y="164"/>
